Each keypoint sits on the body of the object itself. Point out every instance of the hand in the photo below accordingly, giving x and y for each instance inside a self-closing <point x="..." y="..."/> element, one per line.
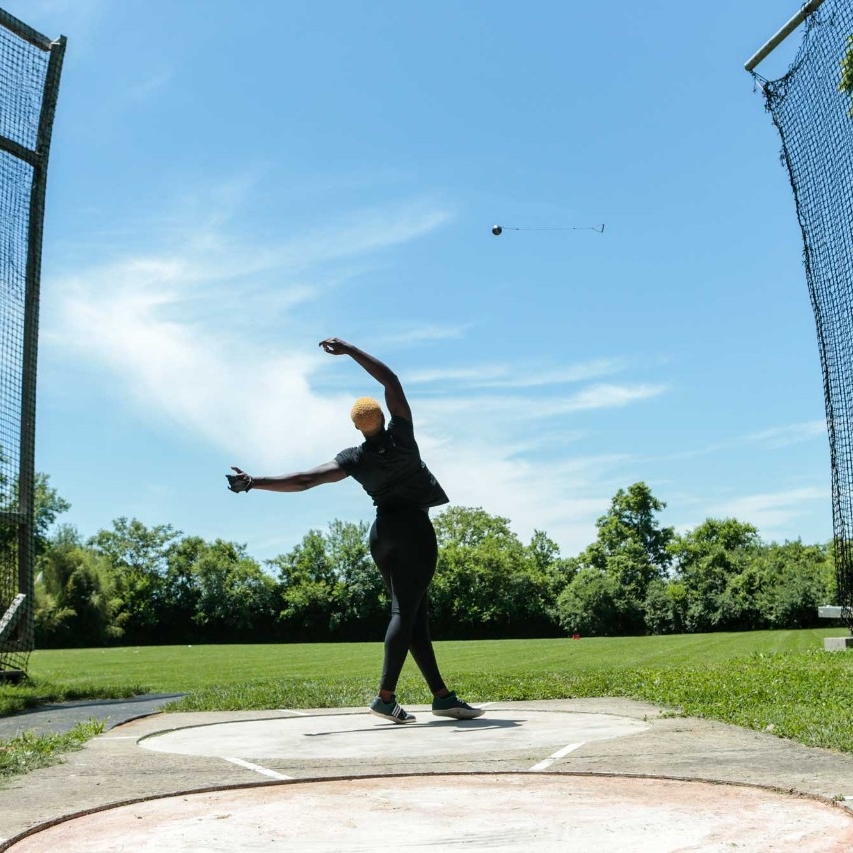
<point x="239" y="482"/>
<point x="335" y="346"/>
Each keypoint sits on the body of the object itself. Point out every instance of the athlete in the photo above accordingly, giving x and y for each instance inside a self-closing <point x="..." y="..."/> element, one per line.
<point x="388" y="466"/>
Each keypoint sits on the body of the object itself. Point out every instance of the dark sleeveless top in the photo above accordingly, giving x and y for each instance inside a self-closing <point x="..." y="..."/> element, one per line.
<point x="391" y="470"/>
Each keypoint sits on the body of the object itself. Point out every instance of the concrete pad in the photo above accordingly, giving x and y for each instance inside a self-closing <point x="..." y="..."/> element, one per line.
<point x="358" y="737"/>
<point x="113" y="770"/>
<point x="495" y="812"/>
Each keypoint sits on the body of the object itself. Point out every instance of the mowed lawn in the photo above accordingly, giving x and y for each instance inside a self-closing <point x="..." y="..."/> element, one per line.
<point x="779" y="681"/>
<point x="182" y="669"/>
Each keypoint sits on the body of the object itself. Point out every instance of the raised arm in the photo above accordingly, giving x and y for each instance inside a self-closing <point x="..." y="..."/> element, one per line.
<point x="395" y="397"/>
<point x="329" y="472"/>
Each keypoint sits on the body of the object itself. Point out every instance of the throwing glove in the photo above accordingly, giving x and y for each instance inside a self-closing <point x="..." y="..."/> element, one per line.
<point x="239" y="482"/>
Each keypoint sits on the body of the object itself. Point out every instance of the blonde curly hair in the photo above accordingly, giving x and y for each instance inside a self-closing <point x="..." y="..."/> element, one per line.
<point x="366" y="414"/>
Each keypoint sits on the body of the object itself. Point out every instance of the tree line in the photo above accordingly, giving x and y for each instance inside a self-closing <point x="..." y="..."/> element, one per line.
<point x="134" y="584"/>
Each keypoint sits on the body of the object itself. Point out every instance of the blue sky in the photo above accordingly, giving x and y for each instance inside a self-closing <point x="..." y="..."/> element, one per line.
<point x="232" y="182"/>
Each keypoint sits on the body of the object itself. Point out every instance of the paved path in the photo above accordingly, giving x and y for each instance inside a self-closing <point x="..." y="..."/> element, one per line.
<point x="61" y="717"/>
<point x="655" y="777"/>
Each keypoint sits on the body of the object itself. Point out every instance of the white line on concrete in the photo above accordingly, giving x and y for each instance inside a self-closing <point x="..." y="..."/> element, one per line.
<point x="258" y="769"/>
<point x="121" y="737"/>
<point x="291" y="711"/>
<point x="544" y="765"/>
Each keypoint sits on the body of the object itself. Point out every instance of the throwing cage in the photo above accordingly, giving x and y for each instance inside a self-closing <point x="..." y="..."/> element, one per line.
<point x="30" y="67"/>
<point x="812" y="108"/>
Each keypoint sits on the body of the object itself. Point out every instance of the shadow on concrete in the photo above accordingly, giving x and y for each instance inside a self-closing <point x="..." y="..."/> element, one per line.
<point x="459" y="725"/>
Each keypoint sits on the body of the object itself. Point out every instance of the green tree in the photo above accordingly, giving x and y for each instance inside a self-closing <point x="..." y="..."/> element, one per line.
<point x="552" y="574"/>
<point x="487" y="583"/>
<point x="138" y="559"/>
<point x="307" y="587"/>
<point x="791" y="580"/>
<point x="665" y="606"/>
<point x="362" y="602"/>
<point x="710" y="562"/>
<point x="591" y="605"/>
<point x="236" y="599"/>
<point x="542" y="552"/>
<point x="180" y="591"/>
<point x="632" y="551"/>
<point x="47" y="507"/>
<point x="630" y="527"/>
<point x="470" y="526"/>
<point x="845" y="84"/>
<point x="464" y="593"/>
<point x="74" y="604"/>
<point x="52" y="569"/>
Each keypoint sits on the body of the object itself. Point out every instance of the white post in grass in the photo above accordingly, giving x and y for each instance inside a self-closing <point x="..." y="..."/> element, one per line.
<point x="834" y="644"/>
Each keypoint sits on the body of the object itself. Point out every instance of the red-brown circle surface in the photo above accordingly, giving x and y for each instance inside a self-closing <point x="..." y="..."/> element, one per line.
<point x="496" y="812"/>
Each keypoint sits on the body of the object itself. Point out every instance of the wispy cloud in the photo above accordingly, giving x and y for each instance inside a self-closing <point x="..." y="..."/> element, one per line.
<point x="772" y="438"/>
<point x="562" y="498"/>
<point x="183" y="332"/>
<point x="172" y="327"/>
<point x="495" y="413"/>
<point x="784" y="436"/>
<point x="516" y="376"/>
<point x="150" y="85"/>
<point x="424" y="334"/>
<point x="773" y="511"/>
<point x="610" y="396"/>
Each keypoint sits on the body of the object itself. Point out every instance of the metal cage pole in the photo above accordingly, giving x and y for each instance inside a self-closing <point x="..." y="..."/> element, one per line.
<point x="776" y="40"/>
<point x="26" y="477"/>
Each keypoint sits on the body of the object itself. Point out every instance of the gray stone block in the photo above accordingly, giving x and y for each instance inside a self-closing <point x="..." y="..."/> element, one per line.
<point x="837" y="644"/>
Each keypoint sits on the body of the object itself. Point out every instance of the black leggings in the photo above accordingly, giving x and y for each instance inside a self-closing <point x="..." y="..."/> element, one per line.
<point x="404" y="549"/>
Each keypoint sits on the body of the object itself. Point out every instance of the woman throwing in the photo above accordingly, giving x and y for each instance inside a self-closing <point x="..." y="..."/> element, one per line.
<point x="403" y="545"/>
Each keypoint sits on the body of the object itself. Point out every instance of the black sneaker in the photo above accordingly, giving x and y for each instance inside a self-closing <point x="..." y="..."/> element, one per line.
<point x="392" y="710"/>
<point x="452" y="706"/>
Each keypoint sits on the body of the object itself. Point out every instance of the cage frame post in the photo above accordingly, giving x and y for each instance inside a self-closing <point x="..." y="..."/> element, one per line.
<point x="26" y="474"/>
<point x="774" y="42"/>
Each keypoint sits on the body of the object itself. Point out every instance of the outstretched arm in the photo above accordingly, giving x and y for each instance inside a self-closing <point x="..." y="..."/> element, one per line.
<point x="395" y="397"/>
<point x="329" y="472"/>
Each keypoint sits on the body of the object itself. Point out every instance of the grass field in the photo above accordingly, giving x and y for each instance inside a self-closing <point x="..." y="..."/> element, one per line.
<point x="779" y="681"/>
<point x="182" y="669"/>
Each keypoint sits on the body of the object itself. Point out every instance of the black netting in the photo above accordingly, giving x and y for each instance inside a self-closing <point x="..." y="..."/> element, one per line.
<point x="15" y="183"/>
<point x="28" y="80"/>
<point x="23" y="70"/>
<point x="812" y="107"/>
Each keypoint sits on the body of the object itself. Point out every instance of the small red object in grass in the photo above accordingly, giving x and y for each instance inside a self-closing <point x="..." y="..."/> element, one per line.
<point x="576" y="636"/>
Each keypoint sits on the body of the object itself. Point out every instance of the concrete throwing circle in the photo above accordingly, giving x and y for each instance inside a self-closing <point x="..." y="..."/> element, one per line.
<point x="355" y="736"/>
<point x="495" y="812"/>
